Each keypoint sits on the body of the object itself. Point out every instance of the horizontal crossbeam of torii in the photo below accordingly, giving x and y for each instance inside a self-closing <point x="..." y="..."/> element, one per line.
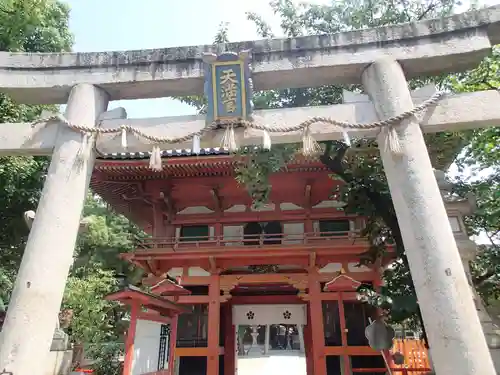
<point x="381" y="59"/>
<point x="454" y="113"/>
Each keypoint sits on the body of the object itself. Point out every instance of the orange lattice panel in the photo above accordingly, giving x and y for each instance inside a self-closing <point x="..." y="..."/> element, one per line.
<point x="416" y="357"/>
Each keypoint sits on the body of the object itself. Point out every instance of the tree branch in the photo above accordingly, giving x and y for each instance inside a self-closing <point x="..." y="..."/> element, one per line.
<point x="382" y="203"/>
<point x="481" y="279"/>
<point x="430" y="8"/>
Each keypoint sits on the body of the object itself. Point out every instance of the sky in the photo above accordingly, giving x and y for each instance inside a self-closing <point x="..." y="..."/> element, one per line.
<point x="106" y="25"/>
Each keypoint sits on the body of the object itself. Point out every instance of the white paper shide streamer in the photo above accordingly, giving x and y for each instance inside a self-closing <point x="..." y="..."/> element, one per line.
<point x="155" y="162"/>
<point x="196" y="145"/>
<point x="266" y="140"/>
<point x="124" y="137"/>
<point x="309" y="145"/>
<point x="347" y="139"/>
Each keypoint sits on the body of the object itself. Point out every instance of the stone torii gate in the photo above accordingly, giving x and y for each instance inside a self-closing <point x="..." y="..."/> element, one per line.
<point x="381" y="59"/>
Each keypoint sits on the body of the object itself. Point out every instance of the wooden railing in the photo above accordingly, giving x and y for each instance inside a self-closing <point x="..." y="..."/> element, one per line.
<point x="262" y="240"/>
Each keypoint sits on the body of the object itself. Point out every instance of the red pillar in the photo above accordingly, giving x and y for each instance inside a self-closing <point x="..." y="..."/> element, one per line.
<point x="317" y="326"/>
<point x="308" y="344"/>
<point x="345" y="360"/>
<point x="129" y="342"/>
<point x="173" y="344"/>
<point x="213" y="325"/>
<point x="229" y="341"/>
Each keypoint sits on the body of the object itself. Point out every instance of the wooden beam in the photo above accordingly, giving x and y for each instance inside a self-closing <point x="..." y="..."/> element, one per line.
<point x="194" y="352"/>
<point x="307" y="196"/>
<point x="213" y="326"/>
<point x="317" y="326"/>
<point x="229" y="341"/>
<point x="130" y="339"/>
<point x="217" y="199"/>
<point x="312" y="260"/>
<point x="345" y="248"/>
<point x="152" y="317"/>
<point x="280" y="278"/>
<point x="188" y="300"/>
<point x="239" y="217"/>
<point x="169" y="204"/>
<point x="213" y="265"/>
<point x="173" y="345"/>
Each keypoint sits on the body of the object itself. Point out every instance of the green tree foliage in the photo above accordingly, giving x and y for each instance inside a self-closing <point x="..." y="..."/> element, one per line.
<point x="25" y="26"/>
<point x="84" y="295"/>
<point x="480" y="161"/>
<point x="108" y="235"/>
<point x="98" y="325"/>
<point x="34" y="26"/>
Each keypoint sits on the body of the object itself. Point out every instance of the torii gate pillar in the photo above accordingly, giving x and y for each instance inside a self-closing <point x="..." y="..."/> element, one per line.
<point x="456" y="339"/>
<point x="29" y="326"/>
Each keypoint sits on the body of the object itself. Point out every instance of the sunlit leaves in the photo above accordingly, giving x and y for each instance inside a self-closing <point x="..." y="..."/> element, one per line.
<point x="108" y="235"/>
<point x="479" y="163"/>
<point x="34" y="26"/>
<point x="85" y="296"/>
<point x="256" y="165"/>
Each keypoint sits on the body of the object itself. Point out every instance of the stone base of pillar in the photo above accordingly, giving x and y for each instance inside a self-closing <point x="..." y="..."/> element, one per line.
<point x="491" y="333"/>
<point x="468" y="251"/>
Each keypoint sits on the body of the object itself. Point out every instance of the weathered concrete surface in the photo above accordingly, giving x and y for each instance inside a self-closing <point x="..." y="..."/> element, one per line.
<point x="458" y="208"/>
<point x="458" y="112"/>
<point x="426" y="47"/>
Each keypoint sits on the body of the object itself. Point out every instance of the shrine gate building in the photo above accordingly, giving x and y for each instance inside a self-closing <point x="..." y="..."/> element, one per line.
<point x="235" y="288"/>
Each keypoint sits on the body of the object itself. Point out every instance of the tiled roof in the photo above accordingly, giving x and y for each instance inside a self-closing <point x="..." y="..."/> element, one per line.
<point x="164" y="154"/>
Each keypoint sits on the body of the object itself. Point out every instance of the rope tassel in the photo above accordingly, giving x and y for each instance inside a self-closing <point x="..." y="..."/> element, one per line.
<point x="155" y="162"/>
<point x="309" y="145"/>
<point x="229" y="139"/>
<point x="84" y="150"/>
<point x="392" y="141"/>
<point x="266" y="140"/>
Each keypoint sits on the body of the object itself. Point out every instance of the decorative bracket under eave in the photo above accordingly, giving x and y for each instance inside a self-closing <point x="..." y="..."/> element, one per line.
<point x="227" y="287"/>
<point x="300" y="284"/>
